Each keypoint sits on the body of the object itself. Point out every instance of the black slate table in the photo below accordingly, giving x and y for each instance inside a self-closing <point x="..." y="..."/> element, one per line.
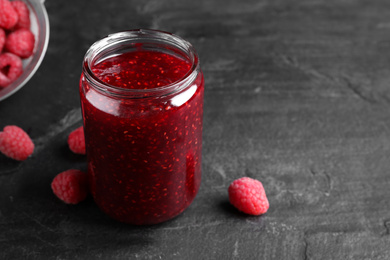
<point x="297" y="95"/>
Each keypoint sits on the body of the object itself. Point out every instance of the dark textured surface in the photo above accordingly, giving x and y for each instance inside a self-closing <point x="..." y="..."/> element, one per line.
<point x="297" y="95"/>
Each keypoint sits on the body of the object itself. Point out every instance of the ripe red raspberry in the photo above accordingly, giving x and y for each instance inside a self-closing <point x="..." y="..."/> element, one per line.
<point x="20" y="42"/>
<point x="8" y="15"/>
<point x="15" y="143"/>
<point x="23" y="14"/>
<point x="70" y="186"/>
<point x="76" y="141"/>
<point x="248" y="196"/>
<point x="2" y="39"/>
<point x="11" y="67"/>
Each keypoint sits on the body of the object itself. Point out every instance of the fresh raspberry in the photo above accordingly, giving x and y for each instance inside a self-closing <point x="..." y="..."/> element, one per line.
<point x="15" y="143"/>
<point x="20" y="42"/>
<point x="11" y="67"/>
<point x="8" y="15"/>
<point x="70" y="186"/>
<point x="248" y="196"/>
<point x="2" y="39"/>
<point x="23" y="14"/>
<point x="76" y="141"/>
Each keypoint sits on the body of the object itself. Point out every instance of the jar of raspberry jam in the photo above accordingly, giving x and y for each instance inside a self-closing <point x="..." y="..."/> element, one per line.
<point x="142" y="102"/>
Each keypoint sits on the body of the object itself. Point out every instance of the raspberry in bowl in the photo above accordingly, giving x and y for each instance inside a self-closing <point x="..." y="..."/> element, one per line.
<point x="24" y="36"/>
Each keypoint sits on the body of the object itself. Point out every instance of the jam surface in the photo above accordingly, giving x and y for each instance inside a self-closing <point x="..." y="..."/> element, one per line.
<point x="141" y="69"/>
<point x="144" y="155"/>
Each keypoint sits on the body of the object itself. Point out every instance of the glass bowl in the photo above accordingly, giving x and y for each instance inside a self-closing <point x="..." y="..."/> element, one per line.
<point x="40" y="28"/>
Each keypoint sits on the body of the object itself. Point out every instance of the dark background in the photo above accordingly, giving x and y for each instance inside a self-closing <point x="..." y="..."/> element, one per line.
<point x="297" y="96"/>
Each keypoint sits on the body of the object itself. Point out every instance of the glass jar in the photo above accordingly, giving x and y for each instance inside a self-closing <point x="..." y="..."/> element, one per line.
<point x="143" y="142"/>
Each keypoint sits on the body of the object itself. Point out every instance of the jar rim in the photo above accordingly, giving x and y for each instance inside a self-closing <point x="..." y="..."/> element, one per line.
<point x="138" y="35"/>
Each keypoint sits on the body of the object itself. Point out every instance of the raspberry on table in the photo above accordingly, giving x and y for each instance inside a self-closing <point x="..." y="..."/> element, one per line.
<point x="70" y="186"/>
<point x="2" y="39"/>
<point x="15" y="143"/>
<point x="23" y="14"/>
<point x="248" y="195"/>
<point x="8" y="15"/>
<point x="76" y="141"/>
<point x="20" y="42"/>
<point x="11" y="67"/>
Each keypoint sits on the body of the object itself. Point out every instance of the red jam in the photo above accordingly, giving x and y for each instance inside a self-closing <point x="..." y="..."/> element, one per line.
<point x="141" y="69"/>
<point x="144" y="153"/>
